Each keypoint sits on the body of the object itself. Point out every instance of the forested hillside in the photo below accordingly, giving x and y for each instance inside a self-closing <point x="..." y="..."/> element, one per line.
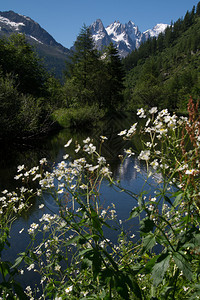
<point x="165" y="71"/>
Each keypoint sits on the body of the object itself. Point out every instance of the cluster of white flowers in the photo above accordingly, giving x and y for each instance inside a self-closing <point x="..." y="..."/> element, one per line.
<point x="32" y="228"/>
<point x="141" y="113"/>
<point x="15" y="200"/>
<point x="32" y="172"/>
<point x="144" y="155"/>
<point x="128" y="133"/>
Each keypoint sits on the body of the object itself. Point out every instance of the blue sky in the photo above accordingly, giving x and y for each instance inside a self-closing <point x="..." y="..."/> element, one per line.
<point x="63" y="19"/>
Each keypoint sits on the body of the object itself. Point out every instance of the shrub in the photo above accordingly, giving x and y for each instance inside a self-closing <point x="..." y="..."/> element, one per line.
<point x="78" y="117"/>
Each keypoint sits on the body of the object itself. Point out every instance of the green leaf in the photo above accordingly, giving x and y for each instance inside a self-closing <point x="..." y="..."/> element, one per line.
<point x="160" y="268"/>
<point x="96" y="222"/>
<point x="149" y="242"/>
<point x="149" y="265"/>
<point x="177" y="199"/>
<point x="183" y="265"/>
<point x="136" y="289"/>
<point x="19" y="291"/>
<point x="85" y="252"/>
<point x="5" y="268"/>
<point x="167" y="199"/>
<point x="134" y="213"/>
<point x="96" y="263"/>
<point x="146" y="225"/>
<point x="17" y="261"/>
<point x="110" y="259"/>
<point x="120" y="285"/>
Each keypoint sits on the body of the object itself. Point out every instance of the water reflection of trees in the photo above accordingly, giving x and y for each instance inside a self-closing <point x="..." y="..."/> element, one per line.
<point x="52" y="147"/>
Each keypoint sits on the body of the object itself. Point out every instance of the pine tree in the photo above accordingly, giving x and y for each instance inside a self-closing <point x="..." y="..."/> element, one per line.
<point x="83" y="66"/>
<point x="115" y="74"/>
<point x="198" y="10"/>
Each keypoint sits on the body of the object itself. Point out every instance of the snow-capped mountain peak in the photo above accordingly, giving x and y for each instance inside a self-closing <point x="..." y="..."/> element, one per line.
<point x="126" y="36"/>
<point x="156" y="30"/>
<point x="9" y="23"/>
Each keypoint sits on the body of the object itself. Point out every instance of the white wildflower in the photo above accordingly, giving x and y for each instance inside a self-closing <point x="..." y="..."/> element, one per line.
<point x="147" y="122"/>
<point x="86" y="141"/>
<point x="154" y="164"/>
<point x="101" y="160"/>
<point x="83" y="187"/>
<point x="36" y="177"/>
<point x="69" y="289"/>
<point x="123" y="132"/>
<point x="5" y="192"/>
<point x="43" y="161"/>
<point x="68" y="143"/>
<point x="78" y="148"/>
<point x="18" y="176"/>
<point x="129" y="152"/>
<point x="144" y="155"/>
<point x="141" y="113"/>
<point x="105" y="171"/>
<point x="103" y="137"/>
<point x="190" y="172"/>
<point x="20" y="168"/>
<point x="153" y="199"/>
<point x="93" y="168"/>
<point x="153" y="110"/>
<point x="89" y="148"/>
<point x="57" y="268"/>
<point x="31" y="267"/>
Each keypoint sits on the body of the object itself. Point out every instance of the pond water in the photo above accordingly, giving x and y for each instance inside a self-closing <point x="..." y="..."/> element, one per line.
<point x="52" y="148"/>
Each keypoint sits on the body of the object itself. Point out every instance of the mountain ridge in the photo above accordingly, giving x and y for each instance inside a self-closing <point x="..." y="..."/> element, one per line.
<point x="127" y="37"/>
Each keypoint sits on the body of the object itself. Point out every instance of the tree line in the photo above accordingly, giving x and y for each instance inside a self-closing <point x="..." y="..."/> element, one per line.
<point x="165" y="71"/>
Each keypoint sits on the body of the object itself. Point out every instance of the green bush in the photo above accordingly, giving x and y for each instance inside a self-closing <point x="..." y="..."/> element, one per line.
<point x="77" y="117"/>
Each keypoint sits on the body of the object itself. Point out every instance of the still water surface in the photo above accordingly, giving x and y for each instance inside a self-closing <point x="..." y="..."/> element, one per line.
<point x="52" y="148"/>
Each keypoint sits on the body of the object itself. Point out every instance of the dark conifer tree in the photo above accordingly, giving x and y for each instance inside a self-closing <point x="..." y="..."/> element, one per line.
<point x="198" y="10"/>
<point x="83" y="65"/>
<point x="115" y="75"/>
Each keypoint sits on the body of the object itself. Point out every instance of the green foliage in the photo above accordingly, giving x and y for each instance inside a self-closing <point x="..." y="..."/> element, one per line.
<point x="78" y="117"/>
<point x="27" y="93"/>
<point x="9" y="104"/>
<point x="21" y="114"/>
<point x="93" y="77"/>
<point x="84" y="67"/>
<point x="17" y="57"/>
<point x="114" y="74"/>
